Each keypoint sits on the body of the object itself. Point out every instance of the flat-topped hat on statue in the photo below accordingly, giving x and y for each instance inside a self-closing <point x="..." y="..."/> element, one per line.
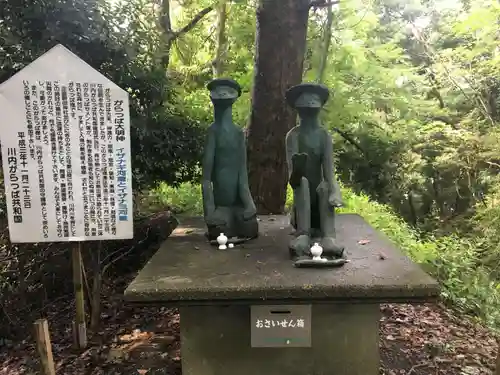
<point x="316" y="192"/>
<point x="310" y="95"/>
<point x="227" y="203"/>
<point x="222" y="87"/>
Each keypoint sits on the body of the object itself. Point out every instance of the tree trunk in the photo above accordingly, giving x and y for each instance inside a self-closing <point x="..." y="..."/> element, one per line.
<point x="437" y="195"/>
<point x="169" y="36"/>
<point x="327" y="38"/>
<point x="218" y="65"/>
<point x="413" y="212"/>
<point x="279" y="59"/>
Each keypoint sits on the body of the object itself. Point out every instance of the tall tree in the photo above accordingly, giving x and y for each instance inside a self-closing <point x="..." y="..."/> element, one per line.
<point x="325" y="43"/>
<point x="279" y="57"/>
<point x="169" y="35"/>
<point x="218" y="63"/>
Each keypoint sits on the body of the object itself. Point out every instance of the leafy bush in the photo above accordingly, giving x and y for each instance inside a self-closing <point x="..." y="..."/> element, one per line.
<point x="452" y="260"/>
<point x="486" y="224"/>
<point x="185" y="199"/>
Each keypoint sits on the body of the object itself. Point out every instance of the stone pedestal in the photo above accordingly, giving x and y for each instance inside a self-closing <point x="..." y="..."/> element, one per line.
<point x="215" y="290"/>
<point x="216" y="341"/>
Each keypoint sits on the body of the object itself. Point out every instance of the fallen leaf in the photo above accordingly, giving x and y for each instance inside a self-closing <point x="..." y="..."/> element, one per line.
<point x="363" y="242"/>
<point x="471" y="370"/>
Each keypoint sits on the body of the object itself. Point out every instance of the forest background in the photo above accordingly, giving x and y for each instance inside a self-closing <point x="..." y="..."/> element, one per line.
<point x="414" y="114"/>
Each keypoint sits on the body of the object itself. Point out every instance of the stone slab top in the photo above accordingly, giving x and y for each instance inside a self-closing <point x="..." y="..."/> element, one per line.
<point x="187" y="270"/>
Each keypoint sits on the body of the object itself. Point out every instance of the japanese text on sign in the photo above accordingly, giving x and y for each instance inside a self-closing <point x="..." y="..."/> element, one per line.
<point x="284" y="323"/>
<point x="66" y="152"/>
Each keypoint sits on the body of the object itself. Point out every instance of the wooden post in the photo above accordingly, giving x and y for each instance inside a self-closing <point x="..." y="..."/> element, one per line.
<point x="497" y="371"/>
<point x="79" y="327"/>
<point x="95" y="317"/>
<point x="44" y="346"/>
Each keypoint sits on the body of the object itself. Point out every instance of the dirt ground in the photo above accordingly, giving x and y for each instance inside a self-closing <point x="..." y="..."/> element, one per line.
<point x="414" y="340"/>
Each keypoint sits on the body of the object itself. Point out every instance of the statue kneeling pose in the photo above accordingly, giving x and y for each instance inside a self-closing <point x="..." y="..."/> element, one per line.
<point x="227" y="203"/>
<point x="316" y="193"/>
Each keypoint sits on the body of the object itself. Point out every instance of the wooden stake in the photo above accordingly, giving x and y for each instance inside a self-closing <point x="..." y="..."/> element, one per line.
<point x="44" y="346"/>
<point x="79" y="327"/>
<point x="95" y="317"/>
<point x="497" y="371"/>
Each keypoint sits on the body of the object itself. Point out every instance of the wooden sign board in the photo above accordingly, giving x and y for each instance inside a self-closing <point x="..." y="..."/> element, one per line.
<point x="65" y="135"/>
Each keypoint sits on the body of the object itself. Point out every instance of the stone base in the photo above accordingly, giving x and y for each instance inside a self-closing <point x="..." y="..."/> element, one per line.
<point x="215" y="289"/>
<point x="187" y="270"/>
<point x="216" y="341"/>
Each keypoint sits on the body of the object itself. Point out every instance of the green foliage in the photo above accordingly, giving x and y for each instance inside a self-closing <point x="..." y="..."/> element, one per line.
<point x="165" y="140"/>
<point x="414" y="111"/>
<point x="486" y="224"/>
<point x="454" y="261"/>
<point x="199" y="45"/>
<point x="184" y="199"/>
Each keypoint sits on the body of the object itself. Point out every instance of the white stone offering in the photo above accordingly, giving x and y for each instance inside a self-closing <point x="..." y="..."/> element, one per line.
<point x="222" y="241"/>
<point x="316" y="251"/>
